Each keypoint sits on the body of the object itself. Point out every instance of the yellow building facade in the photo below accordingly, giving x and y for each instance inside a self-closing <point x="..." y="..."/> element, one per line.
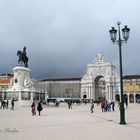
<point x="132" y="88"/>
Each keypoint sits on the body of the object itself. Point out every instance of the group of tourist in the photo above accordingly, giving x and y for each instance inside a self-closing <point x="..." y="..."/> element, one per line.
<point x="39" y="108"/>
<point x="107" y="106"/>
<point x="4" y="104"/>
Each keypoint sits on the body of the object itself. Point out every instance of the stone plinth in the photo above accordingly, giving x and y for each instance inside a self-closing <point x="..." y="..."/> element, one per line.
<point x="21" y="88"/>
<point x="21" y="77"/>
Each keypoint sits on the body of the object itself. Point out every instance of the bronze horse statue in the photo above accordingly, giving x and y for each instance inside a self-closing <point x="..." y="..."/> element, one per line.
<point x="23" y="59"/>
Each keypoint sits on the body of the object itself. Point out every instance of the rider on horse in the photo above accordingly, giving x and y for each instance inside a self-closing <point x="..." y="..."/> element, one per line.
<point x="22" y="57"/>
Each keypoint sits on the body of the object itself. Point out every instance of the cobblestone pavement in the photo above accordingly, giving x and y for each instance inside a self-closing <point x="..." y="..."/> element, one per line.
<point x="61" y="123"/>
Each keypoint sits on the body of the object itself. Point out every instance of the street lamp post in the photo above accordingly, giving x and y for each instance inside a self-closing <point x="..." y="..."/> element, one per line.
<point x="119" y="41"/>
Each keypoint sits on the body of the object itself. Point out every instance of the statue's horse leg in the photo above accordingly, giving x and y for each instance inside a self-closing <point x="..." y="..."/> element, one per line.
<point x="26" y="61"/>
<point x="18" y="60"/>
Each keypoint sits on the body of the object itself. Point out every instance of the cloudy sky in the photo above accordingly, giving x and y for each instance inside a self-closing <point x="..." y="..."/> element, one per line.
<point x="63" y="36"/>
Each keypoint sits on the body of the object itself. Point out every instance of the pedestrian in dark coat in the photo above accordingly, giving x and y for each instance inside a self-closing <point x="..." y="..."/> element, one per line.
<point x="113" y="104"/>
<point x="39" y="108"/>
<point x="69" y="104"/>
<point x="12" y="103"/>
<point x="7" y="103"/>
<point x="92" y="107"/>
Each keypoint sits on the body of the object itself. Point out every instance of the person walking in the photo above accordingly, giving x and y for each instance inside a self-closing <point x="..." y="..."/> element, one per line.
<point x="7" y="103"/>
<point x="126" y="102"/>
<point x="0" y="104"/>
<point x="12" y="104"/>
<point x="33" y="109"/>
<point x="69" y="104"/>
<point x="113" y="105"/>
<point x="103" y="106"/>
<point x="92" y="107"/>
<point x="3" y="104"/>
<point x="39" y="107"/>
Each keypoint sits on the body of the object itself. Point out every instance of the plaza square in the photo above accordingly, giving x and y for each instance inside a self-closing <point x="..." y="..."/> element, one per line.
<point x="61" y="123"/>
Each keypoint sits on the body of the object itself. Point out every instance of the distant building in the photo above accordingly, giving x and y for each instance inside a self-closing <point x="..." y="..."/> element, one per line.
<point x="5" y="82"/>
<point x="132" y="88"/>
<point x="62" y="88"/>
<point x="100" y="82"/>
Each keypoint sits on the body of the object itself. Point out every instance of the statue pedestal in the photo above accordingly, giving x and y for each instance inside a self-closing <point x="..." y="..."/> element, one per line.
<point x="21" y="75"/>
<point x="21" y="89"/>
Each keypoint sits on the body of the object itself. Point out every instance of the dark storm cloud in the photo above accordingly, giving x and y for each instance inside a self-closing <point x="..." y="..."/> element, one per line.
<point x="63" y="36"/>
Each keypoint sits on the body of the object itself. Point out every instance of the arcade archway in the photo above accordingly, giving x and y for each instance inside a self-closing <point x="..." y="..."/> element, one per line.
<point x="84" y="96"/>
<point x="100" y="88"/>
<point x="131" y="98"/>
<point x="125" y="97"/>
<point x="117" y="97"/>
<point x="137" y="98"/>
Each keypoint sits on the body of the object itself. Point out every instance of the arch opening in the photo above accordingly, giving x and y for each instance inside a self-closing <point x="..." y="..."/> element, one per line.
<point x="137" y="98"/>
<point x="100" y="88"/>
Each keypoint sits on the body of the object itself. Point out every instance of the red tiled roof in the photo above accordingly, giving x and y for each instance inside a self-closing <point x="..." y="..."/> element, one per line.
<point x="5" y="81"/>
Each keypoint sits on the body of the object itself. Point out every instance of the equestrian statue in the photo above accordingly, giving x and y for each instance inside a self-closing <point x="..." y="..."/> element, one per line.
<point x="23" y="59"/>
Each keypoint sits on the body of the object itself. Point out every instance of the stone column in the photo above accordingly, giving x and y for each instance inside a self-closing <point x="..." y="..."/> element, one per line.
<point x="93" y="91"/>
<point x="134" y="97"/>
<point x="19" y="96"/>
<point x="31" y="96"/>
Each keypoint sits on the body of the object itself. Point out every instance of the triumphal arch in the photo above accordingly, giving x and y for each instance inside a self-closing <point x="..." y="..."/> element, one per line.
<point x="100" y="82"/>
